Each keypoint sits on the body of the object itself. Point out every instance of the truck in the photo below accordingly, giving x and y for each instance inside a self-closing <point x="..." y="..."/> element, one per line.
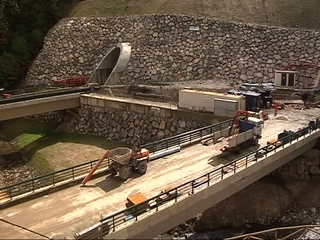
<point x="122" y="160"/>
<point x="244" y="131"/>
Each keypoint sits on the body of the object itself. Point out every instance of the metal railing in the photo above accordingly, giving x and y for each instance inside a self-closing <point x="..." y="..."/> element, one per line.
<point x="134" y="213"/>
<point x="50" y="179"/>
<point x="43" y="94"/>
<point x="292" y="232"/>
<point x="186" y="138"/>
<point x="71" y="173"/>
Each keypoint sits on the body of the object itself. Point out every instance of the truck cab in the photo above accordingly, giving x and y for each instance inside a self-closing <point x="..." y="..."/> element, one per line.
<point x="257" y="125"/>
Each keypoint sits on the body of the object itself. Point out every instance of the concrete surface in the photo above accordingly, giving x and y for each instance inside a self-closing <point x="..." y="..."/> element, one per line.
<point x="36" y="106"/>
<point x="163" y="220"/>
<point x="68" y="211"/>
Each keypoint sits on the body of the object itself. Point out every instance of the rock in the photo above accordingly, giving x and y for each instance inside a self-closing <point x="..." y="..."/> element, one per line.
<point x="216" y="49"/>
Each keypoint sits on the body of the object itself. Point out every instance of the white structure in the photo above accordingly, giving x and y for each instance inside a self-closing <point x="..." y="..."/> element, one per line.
<point x="112" y="65"/>
<point x="285" y="78"/>
<point x="223" y="105"/>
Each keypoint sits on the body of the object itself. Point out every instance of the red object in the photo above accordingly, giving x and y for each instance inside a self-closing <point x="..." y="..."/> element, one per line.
<point x="7" y="95"/>
<point x="236" y="118"/>
<point x="72" y="81"/>
<point x="275" y="106"/>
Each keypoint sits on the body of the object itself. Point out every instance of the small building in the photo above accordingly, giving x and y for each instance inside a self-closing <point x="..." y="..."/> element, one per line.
<point x="222" y="105"/>
<point x="285" y="78"/>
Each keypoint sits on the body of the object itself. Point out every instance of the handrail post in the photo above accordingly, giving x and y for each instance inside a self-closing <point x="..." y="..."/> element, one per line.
<point x="53" y="182"/>
<point x="221" y="173"/>
<point x="10" y="192"/>
<point x="73" y="173"/>
<point x="208" y="179"/>
<point x="176" y="193"/>
<point x="246" y="161"/>
<point x="192" y="189"/>
<point x="136" y="212"/>
<point x="113" y="224"/>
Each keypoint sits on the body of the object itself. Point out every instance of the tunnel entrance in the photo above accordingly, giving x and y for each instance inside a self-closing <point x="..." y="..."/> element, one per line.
<point x="111" y="67"/>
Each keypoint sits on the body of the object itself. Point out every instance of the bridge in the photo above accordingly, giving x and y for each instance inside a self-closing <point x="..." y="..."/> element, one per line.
<point x="198" y="176"/>
<point x="23" y="105"/>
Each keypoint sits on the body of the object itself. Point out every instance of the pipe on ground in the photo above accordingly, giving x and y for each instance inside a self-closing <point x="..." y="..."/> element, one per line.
<point x="164" y="153"/>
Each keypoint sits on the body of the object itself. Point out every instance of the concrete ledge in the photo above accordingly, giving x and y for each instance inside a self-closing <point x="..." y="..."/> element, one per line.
<point x="37" y="106"/>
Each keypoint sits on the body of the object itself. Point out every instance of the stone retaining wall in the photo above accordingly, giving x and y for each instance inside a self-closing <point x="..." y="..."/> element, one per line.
<point x="50" y="117"/>
<point x="115" y="124"/>
<point x="173" y="48"/>
<point x="306" y="166"/>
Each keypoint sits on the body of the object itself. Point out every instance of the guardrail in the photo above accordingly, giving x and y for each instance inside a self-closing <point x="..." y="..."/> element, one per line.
<point x="50" y="179"/>
<point x="187" y="138"/>
<point x="133" y="213"/>
<point x="48" y="93"/>
<point x="292" y="232"/>
<point x="71" y="173"/>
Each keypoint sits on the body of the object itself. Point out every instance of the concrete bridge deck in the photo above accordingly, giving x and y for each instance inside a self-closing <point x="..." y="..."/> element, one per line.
<point x="68" y="211"/>
<point x="65" y="212"/>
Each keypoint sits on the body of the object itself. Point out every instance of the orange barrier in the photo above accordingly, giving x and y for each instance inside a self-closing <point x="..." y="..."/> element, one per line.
<point x="88" y="177"/>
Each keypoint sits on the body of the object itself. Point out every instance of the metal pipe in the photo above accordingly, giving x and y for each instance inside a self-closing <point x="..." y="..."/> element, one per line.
<point x="164" y="153"/>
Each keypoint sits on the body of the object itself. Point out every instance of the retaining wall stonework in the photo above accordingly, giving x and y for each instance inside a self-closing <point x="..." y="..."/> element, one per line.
<point x="50" y="117"/>
<point x="173" y="48"/>
<point x="115" y="124"/>
<point x="306" y="166"/>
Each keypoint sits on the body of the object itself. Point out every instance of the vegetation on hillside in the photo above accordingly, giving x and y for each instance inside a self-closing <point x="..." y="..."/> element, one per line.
<point x="23" y="26"/>
<point x="285" y="13"/>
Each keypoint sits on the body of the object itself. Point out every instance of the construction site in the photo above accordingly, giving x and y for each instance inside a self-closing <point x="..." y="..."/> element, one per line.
<point x="260" y="121"/>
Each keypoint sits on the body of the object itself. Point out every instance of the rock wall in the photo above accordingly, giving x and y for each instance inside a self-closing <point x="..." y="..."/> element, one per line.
<point x="115" y="124"/>
<point x="50" y="117"/>
<point x="168" y="48"/>
<point x="304" y="167"/>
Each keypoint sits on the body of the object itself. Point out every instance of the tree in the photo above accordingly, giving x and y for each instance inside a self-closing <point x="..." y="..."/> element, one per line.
<point x="23" y="26"/>
<point x="8" y="70"/>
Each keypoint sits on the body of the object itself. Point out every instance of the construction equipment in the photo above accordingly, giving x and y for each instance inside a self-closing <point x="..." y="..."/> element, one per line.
<point x="245" y="130"/>
<point x="125" y="159"/>
<point x="122" y="160"/>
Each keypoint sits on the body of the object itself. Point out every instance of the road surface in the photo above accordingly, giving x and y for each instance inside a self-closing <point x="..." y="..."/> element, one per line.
<point x="65" y="212"/>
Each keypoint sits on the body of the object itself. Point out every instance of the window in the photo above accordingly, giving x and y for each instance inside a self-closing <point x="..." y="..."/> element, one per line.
<point x="291" y="80"/>
<point x="283" y="79"/>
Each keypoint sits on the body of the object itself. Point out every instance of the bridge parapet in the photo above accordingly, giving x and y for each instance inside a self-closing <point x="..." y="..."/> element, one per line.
<point x="189" y="198"/>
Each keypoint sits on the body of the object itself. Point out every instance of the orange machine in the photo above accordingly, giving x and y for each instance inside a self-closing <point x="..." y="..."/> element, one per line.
<point x="121" y="160"/>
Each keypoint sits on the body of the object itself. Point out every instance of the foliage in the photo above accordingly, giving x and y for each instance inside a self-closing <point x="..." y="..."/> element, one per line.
<point x="23" y="26"/>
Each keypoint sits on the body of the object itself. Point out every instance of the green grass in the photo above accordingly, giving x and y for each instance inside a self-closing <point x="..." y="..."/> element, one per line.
<point x="37" y="140"/>
<point x="40" y="165"/>
<point x="286" y="13"/>
<point x="25" y="131"/>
